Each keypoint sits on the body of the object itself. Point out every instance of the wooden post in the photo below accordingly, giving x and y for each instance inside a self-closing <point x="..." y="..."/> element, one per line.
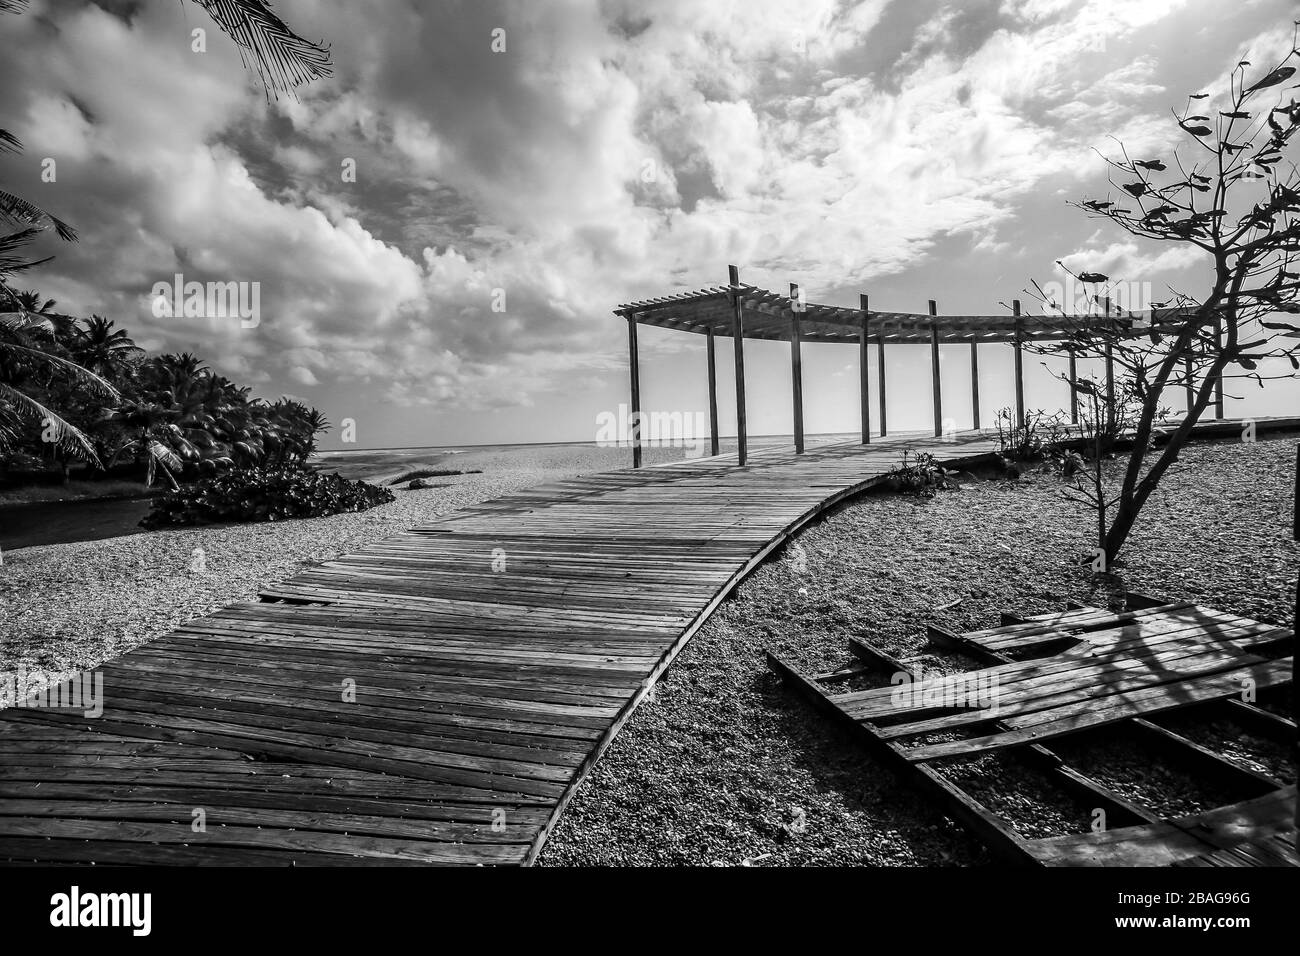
<point x="634" y="366"/>
<point x="713" y="393"/>
<point x="1189" y="388"/>
<point x="1020" y="366"/>
<point x="880" y="381"/>
<point x="975" y="384"/>
<point x="864" y="393"/>
<point x="796" y="366"/>
<point x="1074" y="393"/>
<point x="934" y="371"/>
<point x="738" y="346"/>
<point x="1218" y="382"/>
<point x="1111" y="411"/>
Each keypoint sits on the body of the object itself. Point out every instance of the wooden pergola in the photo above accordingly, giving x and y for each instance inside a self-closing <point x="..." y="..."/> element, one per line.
<point x="742" y="311"/>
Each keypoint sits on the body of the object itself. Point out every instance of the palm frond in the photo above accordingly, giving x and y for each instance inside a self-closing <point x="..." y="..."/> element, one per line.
<point x="82" y="376"/>
<point x="19" y="212"/>
<point x="9" y="244"/>
<point x="163" y="454"/>
<point x="16" y="240"/>
<point x="282" y="58"/>
<point x="9" y="143"/>
<point x="66" y="436"/>
<point x="14" y="6"/>
<point x="11" y="264"/>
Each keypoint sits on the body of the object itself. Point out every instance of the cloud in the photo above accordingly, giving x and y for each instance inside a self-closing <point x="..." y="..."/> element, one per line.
<point x="302" y="376"/>
<point x="506" y="201"/>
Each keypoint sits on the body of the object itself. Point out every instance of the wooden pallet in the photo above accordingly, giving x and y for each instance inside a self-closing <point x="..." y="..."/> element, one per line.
<point x="1081" y="669"/>
<point x="482" y="696"/>
<point x="1226" y="836"/>
<point x="1277" y="850"/>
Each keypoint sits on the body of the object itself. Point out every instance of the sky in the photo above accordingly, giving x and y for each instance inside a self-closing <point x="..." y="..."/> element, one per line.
<point x="523" y="168"/>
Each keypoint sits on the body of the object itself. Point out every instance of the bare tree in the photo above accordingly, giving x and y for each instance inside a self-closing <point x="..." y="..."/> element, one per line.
<point x="1237" y="199"/>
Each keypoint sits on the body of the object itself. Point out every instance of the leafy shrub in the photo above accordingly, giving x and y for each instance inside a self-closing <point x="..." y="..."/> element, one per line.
<point x="923" y="475"/>
<point x="1037" y="437"/>
<point x="258" y="494"/>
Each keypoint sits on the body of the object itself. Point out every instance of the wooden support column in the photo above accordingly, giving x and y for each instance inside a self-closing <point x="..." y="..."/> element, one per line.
<point x="1074" y="394"/>
<point x="880" y="381"/>
<point x="1218" y="382"/>
<point x="1019" y="365"/>
<point x="738" y="346"/>
<point x="1110" y="373"/>
<point x="934" y="371"/>
<point x="713" y="393"/>
<point x="796" y="366"/>
<point x="975" y="384"/>
<point x="634" y="367"/>
<point x="1189" y="388"/>
<point x="864" y="392"/>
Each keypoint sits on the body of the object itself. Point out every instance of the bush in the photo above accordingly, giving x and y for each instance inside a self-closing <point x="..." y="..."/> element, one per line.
<point x="257" y="494"/>
<point x="1037" y="438"/>
<point x="922" y="475"/>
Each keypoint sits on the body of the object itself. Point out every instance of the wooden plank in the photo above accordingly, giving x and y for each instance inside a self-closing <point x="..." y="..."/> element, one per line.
<point x="1165" y="843"/>
<point x="1076" y="717"/>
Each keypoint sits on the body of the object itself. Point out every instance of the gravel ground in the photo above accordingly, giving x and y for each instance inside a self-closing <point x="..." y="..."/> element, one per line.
<point x="724" y="766"/>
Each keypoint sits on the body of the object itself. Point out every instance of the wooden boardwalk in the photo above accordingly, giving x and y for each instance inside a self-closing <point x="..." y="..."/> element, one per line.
<point x="433" y="699"/>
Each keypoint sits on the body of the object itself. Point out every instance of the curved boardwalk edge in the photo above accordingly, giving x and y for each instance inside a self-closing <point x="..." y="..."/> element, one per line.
<point x="887" y="452"/>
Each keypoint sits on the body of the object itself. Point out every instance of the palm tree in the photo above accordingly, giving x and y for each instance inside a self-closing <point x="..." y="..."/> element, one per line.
<point x="25" y="349"/>
<point x="104" y="349"/>
<point x="152" y="428"/>
<point x="22" y="214"/>
<point x="30" y="301"/>
<point x="179" y="369"/>
<point x="319" y="424"/>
